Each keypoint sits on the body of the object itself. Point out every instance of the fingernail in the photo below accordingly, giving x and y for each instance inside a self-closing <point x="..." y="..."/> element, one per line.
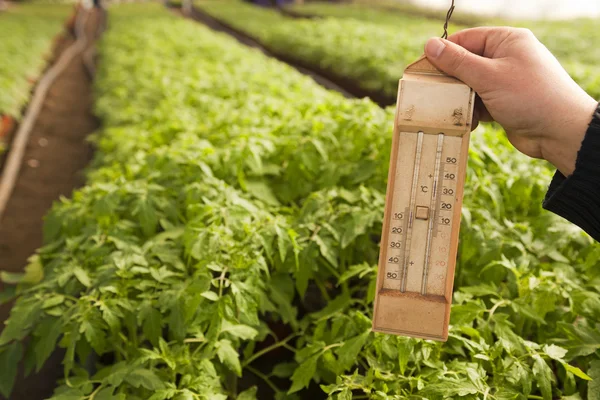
<point x="434" y="47"/>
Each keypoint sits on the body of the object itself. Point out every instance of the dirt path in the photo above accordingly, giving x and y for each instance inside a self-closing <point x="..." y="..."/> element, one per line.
<point x="52" y="167"/>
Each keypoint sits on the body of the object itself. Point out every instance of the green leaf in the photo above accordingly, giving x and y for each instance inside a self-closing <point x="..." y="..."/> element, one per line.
<point x="450" y="389"/>
<point x="229" y="356"/>
<point x="163" y="394"/>
<point x="105" y="394"/>
<point x="71" y="394"/>
<point x="117" y="374"/>
<point x="555" y="352"/>
<point x="405" y="348"/>
<point x="348" y="353"/>
<point x="48" y="333"/>
<point x="212" y="296"/>
<point x="576" y="371"/>
<point x="333" y="307"/>
<point x="304" y="373"/>
<point x="8" y="294"/>
<point x="328" y="249"/>
<point x="185" y="395"/>
<point x="282" y="242"/>
<point x="593" y="392"/>
<point x="9" y="364"/>
<point x="34" y="271"/>
<point x="53" y="301"/>
<point x="111" y="315"/>
<point x="284" y="370"/>
<point x="24" y="313"/>
<point x="11" y="278"/>
<point x="262" y="191"/>
<point x="145" y="378"/>
<point x="543" y="376"/>
<point x="244" y="332"/>
<point x="249" y="394"/>
<point x="282" y="292"/>
<point x="82" y="276"/>
<point x="147" y="217"/>
<point x="356" y="226"/>
<point x="302" y="276"/>
<point x="582" y="340"/>
<point x="152" y="325"/>
<point x="466" y="313"/>
<point x="177" y="320"/>
<point x="51" y="227"/>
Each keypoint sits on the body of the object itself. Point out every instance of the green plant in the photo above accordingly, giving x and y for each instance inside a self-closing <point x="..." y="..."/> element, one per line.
<point x="228" y="233"/>
<point x="373" y="46"/>
<point x="27" y="31"/>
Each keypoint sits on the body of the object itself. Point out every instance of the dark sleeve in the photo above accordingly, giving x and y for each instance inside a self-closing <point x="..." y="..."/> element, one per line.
<point x="577" y="197"/>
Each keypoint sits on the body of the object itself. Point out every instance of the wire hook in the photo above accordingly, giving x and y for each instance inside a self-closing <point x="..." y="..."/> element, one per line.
<point x="448" y="16"/>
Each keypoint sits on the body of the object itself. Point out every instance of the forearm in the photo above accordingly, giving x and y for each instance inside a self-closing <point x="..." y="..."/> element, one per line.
<point x="577" y="197"/>
<point x="562" y="140"/>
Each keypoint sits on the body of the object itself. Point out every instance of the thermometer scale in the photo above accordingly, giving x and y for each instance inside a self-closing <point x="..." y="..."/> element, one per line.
<point x="426" y="179"/>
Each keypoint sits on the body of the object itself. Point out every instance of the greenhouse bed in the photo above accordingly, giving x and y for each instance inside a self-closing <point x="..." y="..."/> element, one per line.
<point x="365" y="63"/>
<point x="34" y="37"/>
<point x="329" y="80"/>
<point x="51" y="167"/>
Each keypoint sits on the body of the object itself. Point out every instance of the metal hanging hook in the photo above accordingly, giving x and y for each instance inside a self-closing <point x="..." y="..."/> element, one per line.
<point x="448" y="16"/>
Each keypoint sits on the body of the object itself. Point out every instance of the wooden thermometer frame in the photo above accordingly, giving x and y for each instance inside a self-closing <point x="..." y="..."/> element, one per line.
<point x="424" y="196"/>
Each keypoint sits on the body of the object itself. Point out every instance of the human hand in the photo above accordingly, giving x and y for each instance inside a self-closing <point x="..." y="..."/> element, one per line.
<point x="522" y="86"/>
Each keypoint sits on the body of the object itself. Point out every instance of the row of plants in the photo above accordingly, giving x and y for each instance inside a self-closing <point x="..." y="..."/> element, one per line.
<point x="372" y="45"/>
<point x="397" y="14"/>
<point x="373" y="56"/>
<point x="27" y="31"/>
<point x="463" y="16"/>
<point x="225" y="246"/>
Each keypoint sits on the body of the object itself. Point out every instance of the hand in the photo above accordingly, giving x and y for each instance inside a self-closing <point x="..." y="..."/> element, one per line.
<point x="522" y="86"/>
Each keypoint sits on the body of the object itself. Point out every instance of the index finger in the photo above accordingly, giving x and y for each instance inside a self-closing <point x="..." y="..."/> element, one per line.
<point x="483" y="41"/>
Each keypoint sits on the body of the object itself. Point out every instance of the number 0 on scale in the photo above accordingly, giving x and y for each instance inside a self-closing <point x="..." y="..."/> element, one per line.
<point x="423" y="203"/>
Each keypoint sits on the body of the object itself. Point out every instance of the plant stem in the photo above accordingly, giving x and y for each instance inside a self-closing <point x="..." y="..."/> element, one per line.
<point x="268" y="349"/>
<point x="331" y="346"/>
<point x="264" y="378"/>
<point x="496" y="306"/>
<point x="93" y="394"/>
<point x="221" y="279"/>
<point x="323" y="290"/>
<point x="290" y="348"/>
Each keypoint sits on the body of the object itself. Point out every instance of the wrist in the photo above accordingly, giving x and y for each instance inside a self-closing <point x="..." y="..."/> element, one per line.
<point x="561" y="147"/>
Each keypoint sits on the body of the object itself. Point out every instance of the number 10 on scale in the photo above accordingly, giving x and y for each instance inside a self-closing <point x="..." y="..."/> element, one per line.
<point x="423" y="204"/>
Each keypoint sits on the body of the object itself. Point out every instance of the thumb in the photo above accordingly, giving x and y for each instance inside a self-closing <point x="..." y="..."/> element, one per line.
<point x="458" y="62"/>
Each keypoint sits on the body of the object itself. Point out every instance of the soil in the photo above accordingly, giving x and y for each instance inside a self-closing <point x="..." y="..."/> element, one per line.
<point x="52" y="167"/>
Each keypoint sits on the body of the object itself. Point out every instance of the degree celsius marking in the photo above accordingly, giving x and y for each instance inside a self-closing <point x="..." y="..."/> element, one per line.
<point x="436" y="177"/>
<point x="413" y="196"/>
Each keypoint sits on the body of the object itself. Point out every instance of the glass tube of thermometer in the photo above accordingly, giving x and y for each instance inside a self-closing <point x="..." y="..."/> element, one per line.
<point x="424" y="196"/>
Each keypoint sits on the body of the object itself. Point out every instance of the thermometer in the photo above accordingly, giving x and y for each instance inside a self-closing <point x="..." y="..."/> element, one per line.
<point x="424" y="196"/>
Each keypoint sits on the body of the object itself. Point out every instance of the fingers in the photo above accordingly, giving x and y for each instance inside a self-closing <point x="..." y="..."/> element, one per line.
<point x="483" y="41"/>
<point x="457" y="61"/>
